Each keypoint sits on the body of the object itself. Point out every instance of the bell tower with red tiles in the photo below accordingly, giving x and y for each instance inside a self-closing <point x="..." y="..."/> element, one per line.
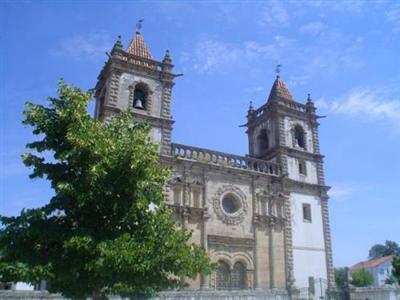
<point x="285" y="132"/>
<point x="132" y="80"/>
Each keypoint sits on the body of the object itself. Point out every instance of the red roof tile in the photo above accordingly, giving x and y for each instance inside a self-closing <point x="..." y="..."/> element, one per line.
<point x="280" y="90"/>
<point x="138" y="47"/>
<point x="369" y="264"/>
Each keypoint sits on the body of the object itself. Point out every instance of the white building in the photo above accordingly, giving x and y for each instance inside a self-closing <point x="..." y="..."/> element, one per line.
<point x="380" y="268"/>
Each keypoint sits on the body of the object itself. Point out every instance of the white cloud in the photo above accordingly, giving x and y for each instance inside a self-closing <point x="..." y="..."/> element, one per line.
<point x="211" y="55"/>
<point x="321" y="103"/>
<point x="313" y="28"/>
<point x="254" y="89"/>
<point x="296" y="80"/>
<point x="343" y="191"/>
<point x="274" y="14"/>
<point x="340" y="192"/>
<point x="393" y="16"/>
<point x="371" y="104"/>
<point x="348" y="6"/>
<point x="85" y="46"/>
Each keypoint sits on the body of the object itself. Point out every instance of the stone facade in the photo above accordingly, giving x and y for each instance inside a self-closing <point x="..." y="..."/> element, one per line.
<point x="262" y="217"/>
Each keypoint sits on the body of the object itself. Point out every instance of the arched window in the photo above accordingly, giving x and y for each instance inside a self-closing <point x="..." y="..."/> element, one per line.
<point x="227" y="280"/>
<point x="140" y="97"/>
<point x="263" y="140"/>
<point x="223" y="280"/>
<point x="299" y="136"/>
<point x="238" y="277"/>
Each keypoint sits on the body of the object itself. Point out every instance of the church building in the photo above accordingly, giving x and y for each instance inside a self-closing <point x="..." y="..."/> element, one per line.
<point x="263" y="217"/>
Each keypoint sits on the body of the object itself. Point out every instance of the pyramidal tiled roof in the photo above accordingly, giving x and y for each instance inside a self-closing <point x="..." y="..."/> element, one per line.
<point x="280" y="90"/>
<point x="138" y="47"/>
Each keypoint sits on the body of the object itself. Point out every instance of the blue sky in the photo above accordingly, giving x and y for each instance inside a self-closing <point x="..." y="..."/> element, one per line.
<point x="345" y="53"/>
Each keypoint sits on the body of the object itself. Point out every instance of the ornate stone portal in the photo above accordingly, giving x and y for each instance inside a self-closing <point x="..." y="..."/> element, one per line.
<point x="262" y="217"/>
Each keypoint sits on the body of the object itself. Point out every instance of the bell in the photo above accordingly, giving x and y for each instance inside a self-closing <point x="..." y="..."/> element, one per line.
<point x="138" y="104"/>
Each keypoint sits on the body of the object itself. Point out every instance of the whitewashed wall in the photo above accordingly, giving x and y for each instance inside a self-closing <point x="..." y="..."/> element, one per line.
<point x="22" y="286"/>
<point x="308" y="240"/>
<point x="294" y="173"/>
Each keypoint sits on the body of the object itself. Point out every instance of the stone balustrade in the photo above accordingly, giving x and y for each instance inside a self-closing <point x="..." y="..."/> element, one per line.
<point x="293" y="105"/>
<point x="225" y="159"/>
<point x="284" y="102"/>
<point x="138" y="60"/>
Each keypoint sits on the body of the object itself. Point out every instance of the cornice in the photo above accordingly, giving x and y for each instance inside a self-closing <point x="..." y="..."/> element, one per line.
<point x="143" y="117"/>
<point x="303" y="187"/>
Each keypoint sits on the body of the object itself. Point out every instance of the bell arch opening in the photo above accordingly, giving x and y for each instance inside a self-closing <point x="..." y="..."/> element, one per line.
<point x="140" y="96"/>
<point x="299" y="137"/>
<point x="262" y="141"/>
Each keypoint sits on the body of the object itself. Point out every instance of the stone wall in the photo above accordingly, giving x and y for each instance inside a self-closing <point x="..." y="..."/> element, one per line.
<point x="371" y="293"/>
<point x="193" y="295"/>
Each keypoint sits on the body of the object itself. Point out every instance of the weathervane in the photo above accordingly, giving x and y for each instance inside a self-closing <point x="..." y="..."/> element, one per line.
<point x="278" y="70"/>
<point x="139" y="25"/>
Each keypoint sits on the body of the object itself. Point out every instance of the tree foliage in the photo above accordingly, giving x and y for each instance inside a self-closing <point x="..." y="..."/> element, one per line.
<point x="361" y="278"/>
<point x="97" y="235"/>
<point x="379" y="250"/>
<point x="341" y="278"/>
<point x="396" y="269"/>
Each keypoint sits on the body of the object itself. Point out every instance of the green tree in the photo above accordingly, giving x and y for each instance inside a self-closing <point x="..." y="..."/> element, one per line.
<point x="98" y="235"/>
<point x="379" y="250"/>
<point x="361" y="278"/>
<point x="396" y="269"/>
<point x="341" y="279"/>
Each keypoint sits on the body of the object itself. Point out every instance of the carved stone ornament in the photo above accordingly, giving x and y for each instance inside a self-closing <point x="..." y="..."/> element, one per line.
<point x="222" y="209"/>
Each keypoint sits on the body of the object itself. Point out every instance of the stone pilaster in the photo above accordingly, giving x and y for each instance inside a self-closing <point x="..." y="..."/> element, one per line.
<point x="204" y="279"/>
<point x="288" y="244"/>
<point x="166" y="101"/>
<point x="315" y="137"/>
<point x="320" y="173"/>
<point x="328" y="243"/>
<point x="282" y="133"/>
<point x="166" y="138"/>
<point x="271" y="253"/>
<point x="166" y="114"/>
<point x="256" y="283"/>
<point x="112" y="93"/>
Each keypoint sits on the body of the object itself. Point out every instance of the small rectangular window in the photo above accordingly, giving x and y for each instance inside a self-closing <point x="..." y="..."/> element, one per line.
<point x="306" y="212"/>
<point x="302" y="167"/>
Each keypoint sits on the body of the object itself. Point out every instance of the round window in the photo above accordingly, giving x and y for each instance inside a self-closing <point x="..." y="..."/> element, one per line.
<point x="230" y="204"/>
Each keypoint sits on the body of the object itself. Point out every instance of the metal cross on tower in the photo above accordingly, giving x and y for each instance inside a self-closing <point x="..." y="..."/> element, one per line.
<point x="278" y="70"/>
<point x="139" y="24"/>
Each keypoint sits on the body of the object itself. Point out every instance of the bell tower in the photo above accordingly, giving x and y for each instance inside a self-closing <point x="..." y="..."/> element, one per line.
<point x="132" y="80"/>
<point x="285" y="131"/>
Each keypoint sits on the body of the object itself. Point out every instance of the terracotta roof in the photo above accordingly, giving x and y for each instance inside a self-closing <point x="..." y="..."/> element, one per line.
<point x="138" y="47"/>
<point x="369" y="264"/>
<point x="280" y="90"/>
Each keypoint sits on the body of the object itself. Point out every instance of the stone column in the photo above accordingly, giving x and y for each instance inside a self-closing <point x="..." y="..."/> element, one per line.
<point x="112" y="92"/>
<point x="288" y="244"/>
<point x="256" y="283"/>
<point x="184" y="199"/>
<point x="328" y="244"/>
<point x="204" y="279"/>
<point x="166" y="115"/>
<point x="271" y="253"/>
<point x="281" y="159"/>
